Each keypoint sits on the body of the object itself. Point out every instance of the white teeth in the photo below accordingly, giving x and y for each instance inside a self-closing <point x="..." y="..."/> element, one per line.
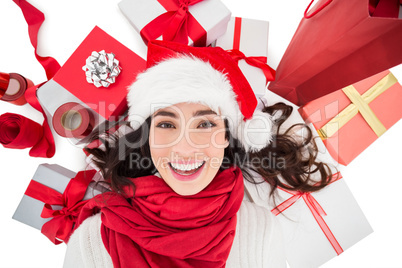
<point x="187" y="167"/>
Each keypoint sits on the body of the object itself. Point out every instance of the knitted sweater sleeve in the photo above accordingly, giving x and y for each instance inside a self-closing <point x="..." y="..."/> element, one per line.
<point x="85" y="248"/>
<point x="258" y="241"/>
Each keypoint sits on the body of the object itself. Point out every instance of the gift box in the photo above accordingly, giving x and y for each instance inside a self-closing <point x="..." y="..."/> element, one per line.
<point x="350" y="119"/>
<point x="321" y="225"/>
<point x="54" y="198"/>
<point x="316" y="226"/>
<point x="248" y="39"/>
<point x="196" y="22"/>
<point x="91" y="87"/>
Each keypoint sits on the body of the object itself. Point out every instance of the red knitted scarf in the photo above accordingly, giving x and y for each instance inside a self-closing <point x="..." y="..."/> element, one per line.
<point x="159" y="228"/>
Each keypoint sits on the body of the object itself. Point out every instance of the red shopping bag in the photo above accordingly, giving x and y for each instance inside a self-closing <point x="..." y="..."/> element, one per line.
<point x="337" y="43"/>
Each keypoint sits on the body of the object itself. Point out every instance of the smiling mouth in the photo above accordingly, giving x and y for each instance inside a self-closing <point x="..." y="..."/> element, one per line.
<point x="184" y="172"/>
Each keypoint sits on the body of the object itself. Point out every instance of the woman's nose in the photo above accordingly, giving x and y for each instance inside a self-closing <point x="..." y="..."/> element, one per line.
<point x="185" y="145"/>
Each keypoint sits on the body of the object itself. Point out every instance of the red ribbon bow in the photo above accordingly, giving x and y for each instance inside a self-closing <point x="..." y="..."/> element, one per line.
<point x="177" y="24"/>
<point x="259" y="62"/>
<point x="60" y="227"/>
<point x="315" y="209"/>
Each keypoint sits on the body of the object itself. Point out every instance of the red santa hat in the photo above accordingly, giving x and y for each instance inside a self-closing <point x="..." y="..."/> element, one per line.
<point x="179" y="73"/>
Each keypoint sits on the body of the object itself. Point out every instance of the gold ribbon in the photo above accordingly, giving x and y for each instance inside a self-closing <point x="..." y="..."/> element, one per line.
<point x="360" y="103"/>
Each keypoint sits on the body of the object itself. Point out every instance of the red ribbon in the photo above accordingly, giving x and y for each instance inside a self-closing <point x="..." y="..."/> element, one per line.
<point x="34" y="19"/>
<point x="177" y="24"/>
<point x="60" y="227"/>
<point x="4" y="80"/>
<point x="19" y="132"/>
<point x="259" y="62"/>
<point x="307" y="16"/>
<point x="237" y="33"/>
<point x="315" y="209"/>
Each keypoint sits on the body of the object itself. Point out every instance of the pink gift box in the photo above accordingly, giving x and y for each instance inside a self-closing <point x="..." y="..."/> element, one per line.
<point x="346" y="129"/>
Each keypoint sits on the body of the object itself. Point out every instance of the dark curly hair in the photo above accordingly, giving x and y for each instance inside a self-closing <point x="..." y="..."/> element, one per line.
<point x="289" y="161"/>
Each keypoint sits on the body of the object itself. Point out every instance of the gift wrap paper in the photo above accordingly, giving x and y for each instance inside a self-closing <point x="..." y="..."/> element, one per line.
<point x="347" y="128"/>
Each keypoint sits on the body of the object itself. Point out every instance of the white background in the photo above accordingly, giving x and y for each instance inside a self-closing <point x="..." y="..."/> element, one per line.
<point x="374" y="177"/>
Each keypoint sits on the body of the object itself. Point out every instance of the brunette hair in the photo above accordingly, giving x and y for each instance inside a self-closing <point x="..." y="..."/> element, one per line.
<point x="289" y="161"/>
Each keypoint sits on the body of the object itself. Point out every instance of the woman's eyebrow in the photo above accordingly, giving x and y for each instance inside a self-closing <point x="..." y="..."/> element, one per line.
<point x="203" y="112"/>
<point x="165" y="113"/>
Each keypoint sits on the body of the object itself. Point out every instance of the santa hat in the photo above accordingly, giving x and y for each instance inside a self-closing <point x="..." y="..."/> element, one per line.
<point x="179" y="73"/>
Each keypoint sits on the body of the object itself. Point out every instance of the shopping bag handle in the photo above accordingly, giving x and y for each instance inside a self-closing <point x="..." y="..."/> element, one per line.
<point x="307" y="16"/>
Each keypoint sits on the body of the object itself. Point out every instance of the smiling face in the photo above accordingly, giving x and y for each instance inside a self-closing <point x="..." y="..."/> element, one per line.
<point x="187" y="143"/>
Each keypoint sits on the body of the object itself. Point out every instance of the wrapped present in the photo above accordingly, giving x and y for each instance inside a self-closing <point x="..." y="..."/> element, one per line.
<point x="91" y="87"/>
<point x="247" y="40"/>
<point x="350" y="119"/>
<point x="192" y="22"/>
<point x="316" y="226"/>
<point x="54" y="199"/>
<point x="319" y="226"/>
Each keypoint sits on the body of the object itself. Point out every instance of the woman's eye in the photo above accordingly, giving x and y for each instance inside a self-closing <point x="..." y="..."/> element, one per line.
<point x="165" y="125"/>
<point x="207" y="124"/>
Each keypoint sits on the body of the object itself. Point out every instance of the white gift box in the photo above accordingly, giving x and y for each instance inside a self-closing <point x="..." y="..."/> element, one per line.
<point x="212" y="15"/>
<point x="55" y="177"/>
<point x="306" y="244"/>
<point x="250" y="37"/>
<point x="52" y="95"/>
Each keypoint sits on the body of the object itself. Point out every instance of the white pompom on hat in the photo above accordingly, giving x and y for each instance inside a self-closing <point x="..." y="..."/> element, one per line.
<point x="178" y="73"/>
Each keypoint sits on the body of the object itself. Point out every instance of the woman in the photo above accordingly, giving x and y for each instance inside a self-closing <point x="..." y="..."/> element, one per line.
<point x="176" y="180"/>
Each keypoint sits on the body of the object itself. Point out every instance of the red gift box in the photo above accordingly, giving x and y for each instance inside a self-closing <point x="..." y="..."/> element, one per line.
<point x="350" y="119"/>
<point x="91" y="87"/>
<point x="110" y="101"/>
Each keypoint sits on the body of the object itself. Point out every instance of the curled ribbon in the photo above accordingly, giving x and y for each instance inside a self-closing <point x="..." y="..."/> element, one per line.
<point x="315" y="209"/>
<point x="259" y="62"/>
<point x="19" y="132"/>
<point x="34" y="19"/>
<point x="60" y="227"/>
<point x="175" y="25"/>
<point x="4" y="81"/>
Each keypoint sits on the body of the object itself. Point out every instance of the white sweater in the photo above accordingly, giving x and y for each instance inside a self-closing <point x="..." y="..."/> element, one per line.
<point x="257" y="243"/>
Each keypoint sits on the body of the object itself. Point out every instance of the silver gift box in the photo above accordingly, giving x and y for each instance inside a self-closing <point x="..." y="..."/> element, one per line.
<point x="55" y="177"/>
